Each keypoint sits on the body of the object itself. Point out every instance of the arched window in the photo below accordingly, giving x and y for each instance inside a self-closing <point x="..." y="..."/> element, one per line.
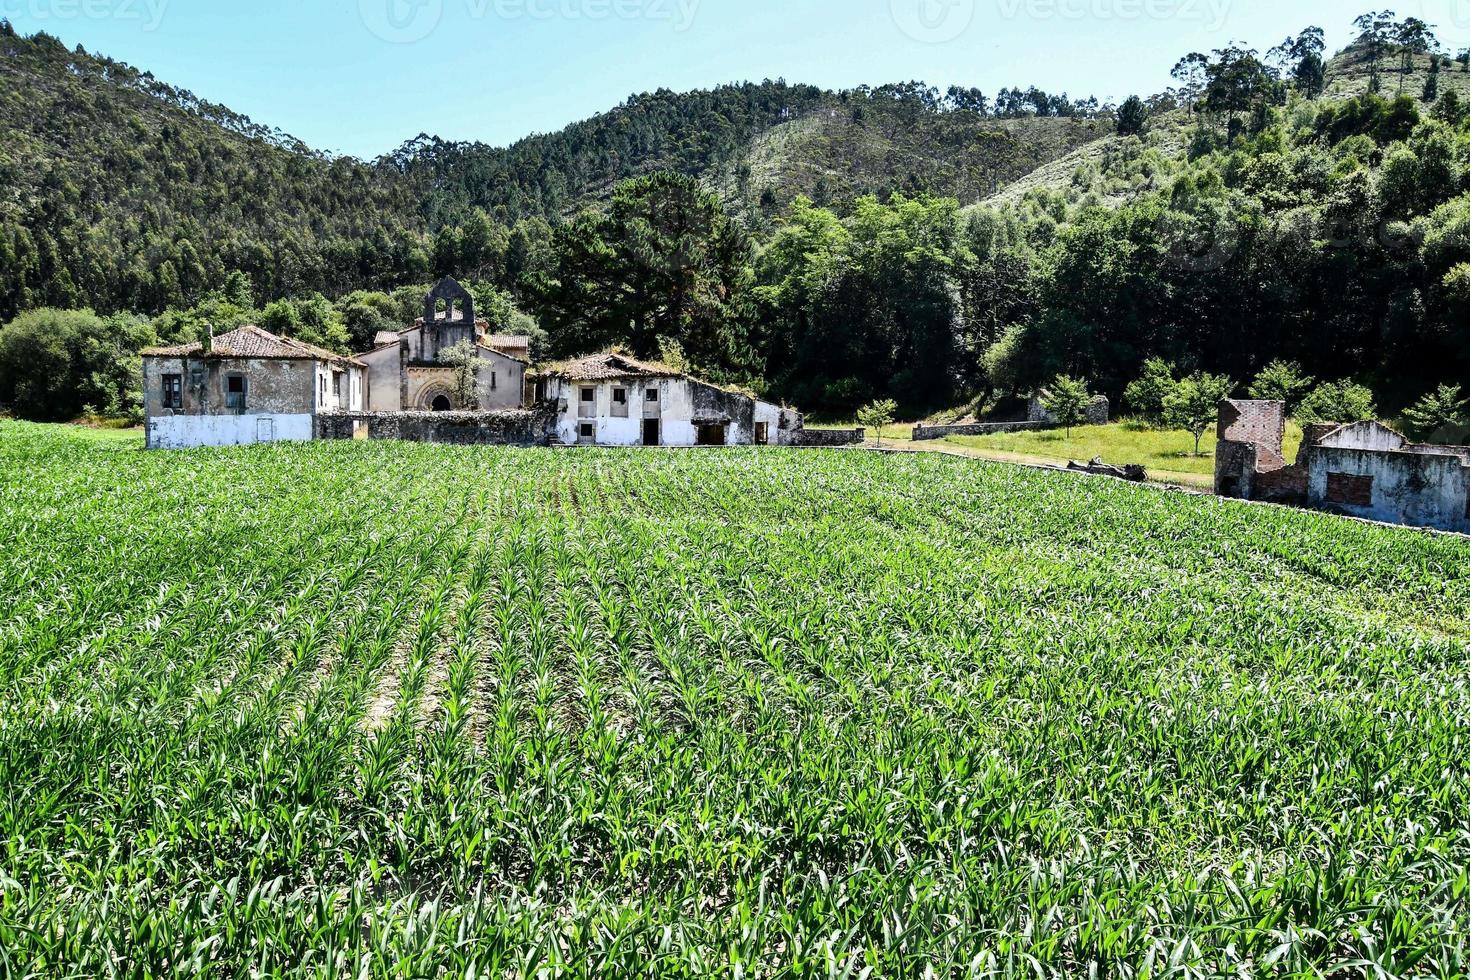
<point x="443" y="404"/>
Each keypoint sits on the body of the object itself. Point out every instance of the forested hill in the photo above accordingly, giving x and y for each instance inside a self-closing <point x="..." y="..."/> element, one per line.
<point x="120" y="192"/>
<point x="761" y="145"/>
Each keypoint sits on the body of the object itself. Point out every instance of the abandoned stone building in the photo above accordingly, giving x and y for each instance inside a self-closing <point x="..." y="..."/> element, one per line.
<point x="407" y="370"/>
<point x="1360" y="469"/>
<point x="245" y="386"/>
<point x="251" y="386"/>
<point x="612" y="399"/>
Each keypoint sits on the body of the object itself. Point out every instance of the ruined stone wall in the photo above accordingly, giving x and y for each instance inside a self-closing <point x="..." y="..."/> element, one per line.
<point x="1248" y="455"/>
<point x="829" y="438"/>
<point x="1420" y="489"/>
<point x="1100" y="412"/>
<point x="518" y="428"/>
<point x="925" y="433"/>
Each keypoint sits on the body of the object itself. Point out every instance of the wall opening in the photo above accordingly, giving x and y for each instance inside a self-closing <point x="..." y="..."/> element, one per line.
<point x="586" y="433"/>
<point x="763" y="433"/>
<point x="442" y="404"/>
<point x="651" y="434"/>
<point x="235" y="392"/>
<point x="712" y="434"/>
<point x="1349" y="489"/>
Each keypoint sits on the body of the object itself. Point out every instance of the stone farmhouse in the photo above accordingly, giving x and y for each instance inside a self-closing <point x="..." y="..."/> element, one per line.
<point x="250" y="386"/>
<point x="615" y="400"/>
<point x="245" y="386"/>
<point x="1362" y="469"/>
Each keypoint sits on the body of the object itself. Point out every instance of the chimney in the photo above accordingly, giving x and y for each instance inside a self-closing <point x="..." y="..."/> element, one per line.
<point x="209" y="341"/>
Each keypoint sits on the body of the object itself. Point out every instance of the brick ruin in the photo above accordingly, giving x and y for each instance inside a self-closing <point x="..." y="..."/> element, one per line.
<point x="1362" y="469"/>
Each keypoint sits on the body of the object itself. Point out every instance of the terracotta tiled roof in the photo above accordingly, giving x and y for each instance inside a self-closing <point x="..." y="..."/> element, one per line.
<point x="507" y="340"/>
<point x="252" y="342"/>
<point x="609" y="366"/>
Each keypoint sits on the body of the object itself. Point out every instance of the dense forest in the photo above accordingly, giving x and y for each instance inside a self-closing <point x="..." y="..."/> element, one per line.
<point x="1266" y="209"/>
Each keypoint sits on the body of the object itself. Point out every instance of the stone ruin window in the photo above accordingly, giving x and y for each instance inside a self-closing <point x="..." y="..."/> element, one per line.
<point x="494" y="381"/>
<point x="235" y="391"/>
<point x="651" y="396"/>
<point x="337" y="384"/>
<point x="620" y="402"/>
<point x="173" y="391"/>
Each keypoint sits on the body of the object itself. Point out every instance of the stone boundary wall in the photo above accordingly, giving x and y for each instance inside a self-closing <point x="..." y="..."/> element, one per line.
<point x="926" y="433"/>
<point x="518" y="428"/>
<point x="817" y="438"/>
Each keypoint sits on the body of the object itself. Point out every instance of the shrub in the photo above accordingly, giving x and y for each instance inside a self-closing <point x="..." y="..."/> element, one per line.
<point x="1338" y="401"/>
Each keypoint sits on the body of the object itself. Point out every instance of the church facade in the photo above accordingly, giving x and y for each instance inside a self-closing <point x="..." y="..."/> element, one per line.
<point x="410" y="371"/>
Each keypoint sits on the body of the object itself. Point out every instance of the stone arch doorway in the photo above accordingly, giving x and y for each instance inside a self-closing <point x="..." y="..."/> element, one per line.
<point x="441" y="403"/>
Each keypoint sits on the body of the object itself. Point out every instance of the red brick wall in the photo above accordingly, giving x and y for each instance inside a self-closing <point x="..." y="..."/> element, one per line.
<point x="1354" y="491"/>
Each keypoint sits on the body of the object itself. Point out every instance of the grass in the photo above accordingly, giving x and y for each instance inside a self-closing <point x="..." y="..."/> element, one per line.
<point x="1168" y="456"/>
<point x="398" y="711"/>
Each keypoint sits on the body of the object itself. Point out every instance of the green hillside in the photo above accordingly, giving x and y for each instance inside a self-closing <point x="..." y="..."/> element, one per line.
<point x="120" y="192"/>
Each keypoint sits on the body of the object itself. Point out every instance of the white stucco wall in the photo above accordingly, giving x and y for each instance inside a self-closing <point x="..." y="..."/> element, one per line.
<point x="382" y="380"/>
<point x="189" y="431"/>
<point x="1418" y="489"/>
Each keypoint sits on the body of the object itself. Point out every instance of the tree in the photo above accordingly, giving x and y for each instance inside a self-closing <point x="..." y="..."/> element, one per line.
<point x="1300" y="59"/>
<point x="1194" y="404"/>
<point x="1443" y="409"/>
<point x="1066" y="400"/>
<point x="1431" y="84"/>
<point x="1337" y="402"/>
<point x="464" y="357"/>
<point x="664" y="261"/>
<point x="1414" y="38"/>
<point x="1376" y="31"/>
<point x="877" y="415"/>
<point x="1282" y="381"/>
<point x="56" y="363"/>
<point x="1146" y="395"/>
<point x="1132" y="117"/>
<point x="1450" y="109"/>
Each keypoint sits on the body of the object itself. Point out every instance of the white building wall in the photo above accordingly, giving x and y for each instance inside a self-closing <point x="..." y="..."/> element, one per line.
<point x="191" y="431"/>
<point x="1418" y="489"/>
<point x="383" y="381"/>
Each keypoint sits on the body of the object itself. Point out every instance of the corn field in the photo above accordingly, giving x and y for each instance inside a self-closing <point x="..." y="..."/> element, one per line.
<point x="386" y="710"/>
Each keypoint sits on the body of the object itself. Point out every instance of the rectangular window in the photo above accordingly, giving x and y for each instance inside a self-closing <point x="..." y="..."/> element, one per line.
<point x="235" y="392"/>
<point x="587" y="395"/>
<point x="337" y="384"/>
<point x="1346" y="488"/>
<point x="494" y="381"/>
<point x="173" y="391"/>
<point x="620" y="396"/>
<point x="652" y="396"/>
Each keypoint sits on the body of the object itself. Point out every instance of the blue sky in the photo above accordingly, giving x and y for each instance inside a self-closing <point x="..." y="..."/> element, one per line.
<point x="361" y="76"/>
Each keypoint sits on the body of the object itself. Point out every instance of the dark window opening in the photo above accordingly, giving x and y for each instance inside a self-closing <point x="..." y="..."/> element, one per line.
<point x="588" y="394"/>
<point x="712" y="435"/>
<point x="235" y="391"/>
<point x="620" y="396"/>
<point x="494" y="381"/>
<point x="173" y="391"/>
<point x="337" y="384"/>
<point x="763" y="433"/>
<point x="586" y="432"/>
<point x="442" y="404"/>
<point x="652" y="395"/>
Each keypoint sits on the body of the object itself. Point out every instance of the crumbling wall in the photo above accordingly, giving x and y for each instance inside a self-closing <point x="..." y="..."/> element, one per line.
<point x="519" y="428"/>
<point x="1249" y="464"/>
<point x="1421" y="488"/>
<point x="926" y="433"/>
<point x="828" y="438"/>
<point x="1099" y="412"/>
